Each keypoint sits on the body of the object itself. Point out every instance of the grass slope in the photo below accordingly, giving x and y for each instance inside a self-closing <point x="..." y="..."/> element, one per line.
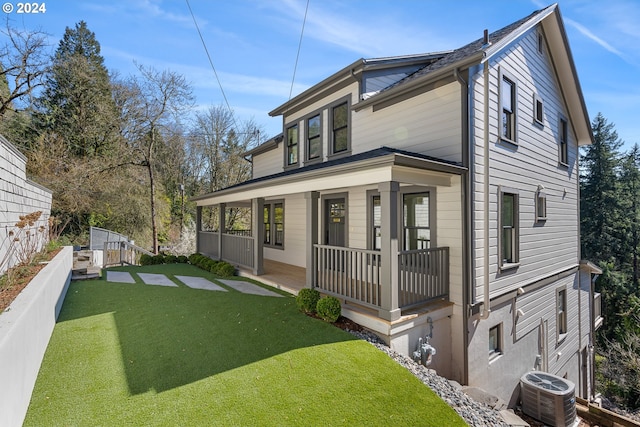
<point x="135" y="354"/>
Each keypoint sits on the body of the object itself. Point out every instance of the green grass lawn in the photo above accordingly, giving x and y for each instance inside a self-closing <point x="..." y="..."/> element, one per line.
<point x="141" y="355"/>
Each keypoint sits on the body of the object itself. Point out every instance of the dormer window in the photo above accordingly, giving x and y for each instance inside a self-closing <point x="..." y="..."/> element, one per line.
<point x="292" y="145"/>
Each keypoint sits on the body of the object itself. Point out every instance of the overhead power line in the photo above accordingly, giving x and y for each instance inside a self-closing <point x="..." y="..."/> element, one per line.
<point x="212" y="66"/>
<point x="295" y="67"/>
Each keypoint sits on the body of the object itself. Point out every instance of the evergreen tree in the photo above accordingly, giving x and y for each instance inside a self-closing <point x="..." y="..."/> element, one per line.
<point x="599" y="203"/>
<point x="77" y="102"/>
<point x="629" y="226"/>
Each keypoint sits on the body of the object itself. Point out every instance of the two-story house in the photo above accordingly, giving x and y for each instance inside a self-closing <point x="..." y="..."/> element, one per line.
<point x="434" y="195"/>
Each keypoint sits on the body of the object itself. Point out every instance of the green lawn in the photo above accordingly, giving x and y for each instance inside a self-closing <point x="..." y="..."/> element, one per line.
<point x="135" y="354"/>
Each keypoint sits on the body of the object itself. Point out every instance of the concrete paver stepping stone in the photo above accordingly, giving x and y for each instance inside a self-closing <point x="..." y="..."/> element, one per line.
<point x="200" y="283"/>
<point x="119" y="277"/>
<point x="249" y="288"/>
<point x="156" y="279"/>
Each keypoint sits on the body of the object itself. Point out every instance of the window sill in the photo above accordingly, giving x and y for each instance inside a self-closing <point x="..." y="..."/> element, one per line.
<point x="508" y="142"/>
<point x="509" y="266"/>
<point x="340" y="154"/>
<point x="563" y="165"/>
<point x="561" y="338"/>
<point x="494" y="356"/>
<point x="313" y="161"/>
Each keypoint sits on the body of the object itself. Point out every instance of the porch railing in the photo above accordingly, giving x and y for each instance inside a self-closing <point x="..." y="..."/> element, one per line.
<point x="352" y="274"/>
<point x="238" y="250"/>
<point x="122" y="252"/>
<point x="423" y="275"/>
<point x="208" y="243"/>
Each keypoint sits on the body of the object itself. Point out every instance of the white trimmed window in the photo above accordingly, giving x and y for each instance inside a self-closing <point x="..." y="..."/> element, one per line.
<point x="541" y="205"/>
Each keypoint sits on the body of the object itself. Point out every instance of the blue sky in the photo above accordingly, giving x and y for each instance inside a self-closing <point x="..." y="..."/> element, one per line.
<point x="253" y="43"/>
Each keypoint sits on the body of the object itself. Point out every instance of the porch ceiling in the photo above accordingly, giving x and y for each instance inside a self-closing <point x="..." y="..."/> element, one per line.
<point x="386" y="165"/>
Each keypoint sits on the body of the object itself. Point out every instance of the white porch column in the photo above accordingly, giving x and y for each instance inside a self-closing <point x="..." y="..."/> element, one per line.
<point x="222" y="223"/>
<point x="311" y="198"/>
<point x="389" y="309"/>
<point x="257" y="232"/>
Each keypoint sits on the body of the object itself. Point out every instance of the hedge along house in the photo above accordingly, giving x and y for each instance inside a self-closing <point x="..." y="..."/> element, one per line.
<point x="435" y="195"/>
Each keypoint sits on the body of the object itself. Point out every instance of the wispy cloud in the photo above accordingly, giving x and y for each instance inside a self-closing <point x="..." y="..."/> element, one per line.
<point x="369" y="35"/>
<point x="587" y="33"/>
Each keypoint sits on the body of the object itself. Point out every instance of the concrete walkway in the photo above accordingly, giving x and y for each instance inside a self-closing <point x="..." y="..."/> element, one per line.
<point x="193" y="282"/>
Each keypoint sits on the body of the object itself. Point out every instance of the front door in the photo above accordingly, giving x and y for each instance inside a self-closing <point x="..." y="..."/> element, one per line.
<point x="335" y="220"/>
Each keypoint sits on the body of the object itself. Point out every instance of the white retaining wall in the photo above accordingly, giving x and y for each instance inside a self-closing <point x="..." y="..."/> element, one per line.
<point x="25" y="329"/>
<point x="18" y="196"/>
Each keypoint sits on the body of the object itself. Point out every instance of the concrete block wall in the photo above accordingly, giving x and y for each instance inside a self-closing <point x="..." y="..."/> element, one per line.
<point x="18" y="196"/>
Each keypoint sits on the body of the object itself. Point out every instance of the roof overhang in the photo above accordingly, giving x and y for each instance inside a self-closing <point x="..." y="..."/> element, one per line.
<point x="389" y="167"/>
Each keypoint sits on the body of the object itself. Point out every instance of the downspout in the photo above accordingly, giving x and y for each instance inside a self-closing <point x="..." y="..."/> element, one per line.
<point x="467" y="203"/>
<point x="486" y="306"/>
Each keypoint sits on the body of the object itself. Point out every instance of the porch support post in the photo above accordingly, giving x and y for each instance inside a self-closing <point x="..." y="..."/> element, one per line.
<point x="389" y="309"/>
<point x="311" y="198"/>
<point x="198" y="227"/>
<point x="257" y="233"/>
<point x="222" y="223"/>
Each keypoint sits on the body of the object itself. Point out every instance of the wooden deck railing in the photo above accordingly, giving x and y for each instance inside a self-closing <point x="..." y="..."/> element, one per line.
<point x="423" y="275"/>
<point x="352" y="274"/>
<point x="122" y="252"/>
<point x="208" y="243"/>
<point x="238" y="250"/>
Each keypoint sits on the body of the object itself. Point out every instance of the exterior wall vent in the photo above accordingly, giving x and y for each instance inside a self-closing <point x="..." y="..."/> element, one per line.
<point x="548" y="398"/>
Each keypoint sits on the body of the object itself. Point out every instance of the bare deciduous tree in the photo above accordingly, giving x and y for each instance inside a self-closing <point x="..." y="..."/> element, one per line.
<point x="24" y="60"/>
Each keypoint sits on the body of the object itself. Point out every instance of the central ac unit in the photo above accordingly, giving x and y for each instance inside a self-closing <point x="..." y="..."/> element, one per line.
<point x="548" y="398"/>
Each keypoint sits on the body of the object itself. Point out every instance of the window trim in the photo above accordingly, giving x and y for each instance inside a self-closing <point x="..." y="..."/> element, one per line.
<point x="502" y="264"/>
<point x="541" y="197"/>
<point x="332" y="153"/>
<point x="563" y="140"/>
<point x="287" y="146"/>
<point x="562" y="317"/>
<point x="537" y="102"/>
<point x="498" y="351"/>
<point x="514" y="106"/>
<point x="271" y="205"/>
<point x="404" y="228"/>
<point x="307" y="150"/>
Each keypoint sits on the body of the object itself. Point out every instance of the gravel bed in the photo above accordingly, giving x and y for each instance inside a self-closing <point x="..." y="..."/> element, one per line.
<point x="474" y="413"/>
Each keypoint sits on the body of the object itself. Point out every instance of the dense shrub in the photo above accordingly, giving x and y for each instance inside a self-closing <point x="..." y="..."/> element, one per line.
<point x="158" y="259"/>
<point x="183" y="259"/>
<point x="307" y="299"/>
<point x="170" y="259"/>
<point x="220" y="268"/>
<point x="146" y="259"/>
<point x="225" y="269"/>
<point x="328" y="309"/>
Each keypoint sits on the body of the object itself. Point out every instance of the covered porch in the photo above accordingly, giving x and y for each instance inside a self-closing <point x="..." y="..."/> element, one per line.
<point x="373" y="244"/>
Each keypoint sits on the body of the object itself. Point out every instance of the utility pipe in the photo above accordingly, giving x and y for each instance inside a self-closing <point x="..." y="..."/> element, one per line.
<point x="486" y="306"/>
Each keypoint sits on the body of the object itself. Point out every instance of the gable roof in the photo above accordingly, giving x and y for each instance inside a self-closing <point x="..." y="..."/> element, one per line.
<point x="479" y="52"/>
